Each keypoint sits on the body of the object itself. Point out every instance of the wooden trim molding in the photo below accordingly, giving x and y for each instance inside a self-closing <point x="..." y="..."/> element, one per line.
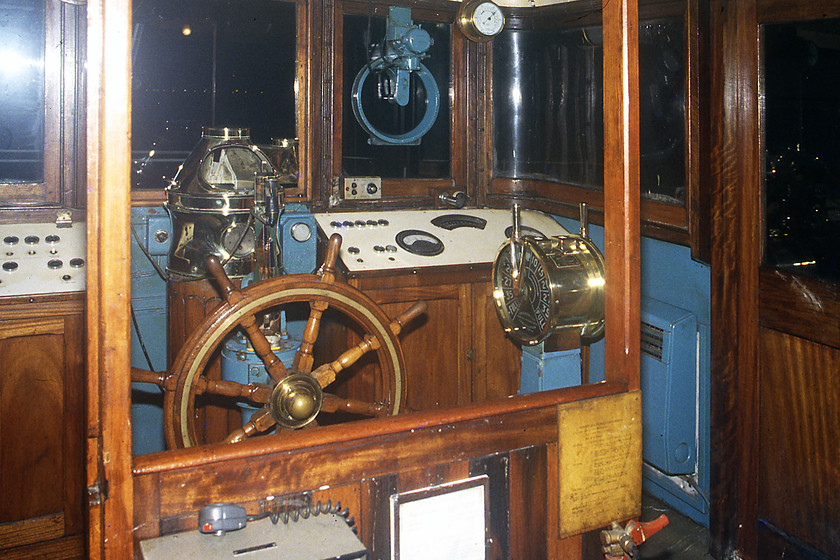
<point x="108" y="278"/>
<point x="621" y="190"/>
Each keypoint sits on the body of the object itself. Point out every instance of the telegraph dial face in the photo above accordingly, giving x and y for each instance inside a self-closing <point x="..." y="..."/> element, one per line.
<point x="523" y="293"/>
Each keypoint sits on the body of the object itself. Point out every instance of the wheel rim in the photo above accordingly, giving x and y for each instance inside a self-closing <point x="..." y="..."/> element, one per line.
<point x="198" y="349"/>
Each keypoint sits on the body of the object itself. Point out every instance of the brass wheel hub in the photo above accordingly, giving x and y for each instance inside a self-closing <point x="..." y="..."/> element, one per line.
<point x="296" y="400"/>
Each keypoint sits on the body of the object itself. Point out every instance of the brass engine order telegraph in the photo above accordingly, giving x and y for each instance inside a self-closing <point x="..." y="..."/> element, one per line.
<point x="544" y="284"/>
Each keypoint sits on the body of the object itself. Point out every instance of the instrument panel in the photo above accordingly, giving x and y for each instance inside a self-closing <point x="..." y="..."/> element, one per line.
<point x="406" y="239"/>
<point x="42" y="258"/>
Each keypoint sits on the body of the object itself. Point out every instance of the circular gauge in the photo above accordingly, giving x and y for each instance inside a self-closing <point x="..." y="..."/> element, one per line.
<point x="480" y="20"/>
<point x="239" y="240"/>
<point x="523" y="292"/>
<point x="301" y="232"/>
<point x="419" y="242"/>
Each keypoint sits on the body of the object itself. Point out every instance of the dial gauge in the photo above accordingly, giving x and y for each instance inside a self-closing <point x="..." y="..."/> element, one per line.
<point x="238" y="240"/>
<point x="480" y="20"/>
<point x="523" y="292"/>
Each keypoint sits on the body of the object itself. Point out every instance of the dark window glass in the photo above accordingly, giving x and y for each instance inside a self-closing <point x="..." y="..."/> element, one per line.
<point x="428" y="159"/>
<point x="662" y="111"/>
<point x="548" y="107"/>
<point x="802" y="142"/>
<point x="218" y="63"/>
<point x="22" y="39"/>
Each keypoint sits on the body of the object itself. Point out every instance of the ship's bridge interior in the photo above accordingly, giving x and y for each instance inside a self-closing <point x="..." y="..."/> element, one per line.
<point x="407" y="274"/>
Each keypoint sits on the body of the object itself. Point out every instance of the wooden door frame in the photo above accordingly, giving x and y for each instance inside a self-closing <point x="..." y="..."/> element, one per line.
<point x="736" y="254"/>
<point x="738" y="283"/>
<point x="108" y="278"/>
<point x="108" y="296"/>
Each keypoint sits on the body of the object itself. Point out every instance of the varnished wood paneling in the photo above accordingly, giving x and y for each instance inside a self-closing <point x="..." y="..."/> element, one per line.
<point x="108" y="112"/>
<point x="621" y="190"/>
<point x="33" y="530"/>
<point x="530" y="508"/>
<point x="435" y="345"/>
<point x="801" y="306"/>
<point x="66" y="548"/>
<point x="183" y="481"/>
<point x="457" y="353"/>
<point x="189" y="303"/>
<point x="800" y="428"/>
<point x="31" y="426"/>
<point x="736" y="253"/>
<point x="189" y="489"/>
<point x="771" y="11"/>
<point x="41" y="419"/>
<point x="496" y="359"/>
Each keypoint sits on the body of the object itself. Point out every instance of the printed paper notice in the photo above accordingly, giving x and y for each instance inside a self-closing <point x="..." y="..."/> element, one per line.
<point x="446" y="522"/>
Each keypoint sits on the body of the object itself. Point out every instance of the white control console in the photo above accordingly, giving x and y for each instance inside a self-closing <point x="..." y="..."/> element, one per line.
<point x="398" y="239"/>
<point x="42" y="258"/>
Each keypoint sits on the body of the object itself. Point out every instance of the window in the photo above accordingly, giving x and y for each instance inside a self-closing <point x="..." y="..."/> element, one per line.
<point x="802" y="144"/>
<point x="428" y="158"/>
<point x="548" y="107"/>
<point x="22" y="36"/>
<point x="547" y="118"/>
<point x="219" y="63"/>
<point x="41" y="96"/>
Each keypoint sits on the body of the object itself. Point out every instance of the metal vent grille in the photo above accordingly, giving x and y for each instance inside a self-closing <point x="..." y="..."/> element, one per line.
<point x="653" y="338"/>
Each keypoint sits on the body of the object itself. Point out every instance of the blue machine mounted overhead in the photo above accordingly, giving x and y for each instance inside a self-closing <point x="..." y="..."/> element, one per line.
<point x="394" y="61"/>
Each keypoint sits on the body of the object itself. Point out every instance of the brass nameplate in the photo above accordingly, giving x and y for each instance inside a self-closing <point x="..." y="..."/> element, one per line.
<point x="600" y="458"/>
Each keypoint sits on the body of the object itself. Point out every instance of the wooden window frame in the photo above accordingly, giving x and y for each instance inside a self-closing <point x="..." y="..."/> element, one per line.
<point x="64" y="135"/>
<point x="685" y="224"/>
<point x="307" y="65"/>
<point x="422" y="192"/>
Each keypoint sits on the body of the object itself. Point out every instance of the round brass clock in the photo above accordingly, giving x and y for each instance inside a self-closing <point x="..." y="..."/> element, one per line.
<point x="480" y="20"/>
<point x="543" y="284"/>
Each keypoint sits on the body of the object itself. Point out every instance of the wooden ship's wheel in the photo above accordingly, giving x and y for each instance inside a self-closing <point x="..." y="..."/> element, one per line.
<point x="295" y="395"/>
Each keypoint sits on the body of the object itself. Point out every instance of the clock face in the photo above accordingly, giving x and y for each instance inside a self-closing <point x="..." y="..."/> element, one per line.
<point x="523" y="293"/>
<point x="488" y="19"/>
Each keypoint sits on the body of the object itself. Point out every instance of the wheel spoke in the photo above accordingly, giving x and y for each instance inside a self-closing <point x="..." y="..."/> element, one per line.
<point x="327" y="270"/>
<point x="303" y="357"/>
<point x="163" y="379"/>
<point x="262" y="347"/>
<point x="327" y="373"/>
<point x="258" y="394"/>
<point x="259" y="422"/>
<point x="249" y="323"/>
<point x="332" y="403"/>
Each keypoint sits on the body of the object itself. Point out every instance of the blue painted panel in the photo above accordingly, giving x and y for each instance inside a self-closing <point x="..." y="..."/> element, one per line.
<point x="670" y="390"/>
<point x="668" y="274"/>
<point x="543" y="371"/>
<point x="148" y="304"/>
<point x="298" y="256"/>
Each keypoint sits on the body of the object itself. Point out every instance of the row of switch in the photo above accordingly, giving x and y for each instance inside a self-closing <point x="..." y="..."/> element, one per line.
<point x="360" y="223"/>
<point x="53" y="264"/>
<point x="376" y="249"/>
<point x="30" y="239"/>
